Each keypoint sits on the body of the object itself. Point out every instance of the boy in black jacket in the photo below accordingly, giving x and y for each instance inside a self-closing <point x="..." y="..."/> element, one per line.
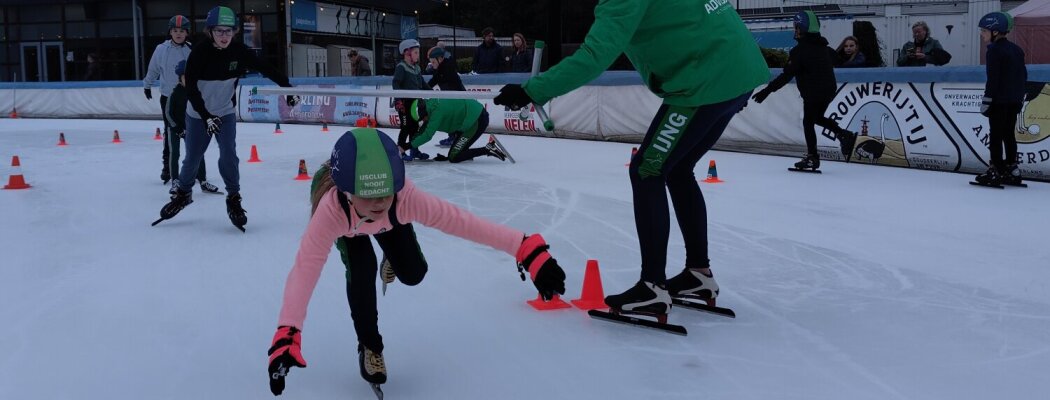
<point x="811" y="62"/>
<point x="1004" y="93"/>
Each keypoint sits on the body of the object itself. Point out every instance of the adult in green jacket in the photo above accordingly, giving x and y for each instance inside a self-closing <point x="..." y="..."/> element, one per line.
<point x="703" y="62"/>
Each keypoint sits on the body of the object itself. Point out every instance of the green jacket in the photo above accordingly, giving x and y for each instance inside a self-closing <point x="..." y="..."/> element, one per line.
<point x="906" y="57"/>
<point x="690" y="53"/>
<point x="449" y="115"/>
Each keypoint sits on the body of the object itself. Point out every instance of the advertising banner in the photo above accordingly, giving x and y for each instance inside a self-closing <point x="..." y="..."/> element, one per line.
<point x="317" y="109"/>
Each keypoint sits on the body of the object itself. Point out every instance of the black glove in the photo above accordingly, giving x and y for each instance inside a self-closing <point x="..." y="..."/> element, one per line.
<point x="285" y="353"/>
<point x="986" y="106"/>
<point x="513" y="96"/>
<point x="760" y="96"/>
<point x="214" y="124"/>
<point x="149" y="93"/>
<point x="533" y="257"/>
<point x="292" y="101"/>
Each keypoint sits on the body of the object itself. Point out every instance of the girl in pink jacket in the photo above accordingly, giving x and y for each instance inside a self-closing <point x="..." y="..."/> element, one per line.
<point x="362" y="190"/>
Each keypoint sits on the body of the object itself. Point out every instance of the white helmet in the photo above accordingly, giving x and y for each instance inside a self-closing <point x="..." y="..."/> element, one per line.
<point x="407" y="44"/>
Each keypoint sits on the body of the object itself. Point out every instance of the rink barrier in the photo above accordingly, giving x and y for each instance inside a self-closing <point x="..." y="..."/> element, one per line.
<point x="924" y="118"/>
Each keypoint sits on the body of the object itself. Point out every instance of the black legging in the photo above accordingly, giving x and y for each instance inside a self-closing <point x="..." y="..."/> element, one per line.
<point x="460" y="150"/>
<point x="1002" y="119"/>
<point x="675" y="142"/>
<point x="402" y="250"/>
<point x="409" y="127"/>
<point x="172" y="151"/>
<point x="813" y="114"/>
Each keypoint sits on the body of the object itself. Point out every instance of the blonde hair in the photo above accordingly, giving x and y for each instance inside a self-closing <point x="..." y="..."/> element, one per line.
<point x="324" y="184"/>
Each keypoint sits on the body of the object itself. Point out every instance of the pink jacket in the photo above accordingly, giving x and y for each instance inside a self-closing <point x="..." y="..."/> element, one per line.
<point x="329" y="223"/>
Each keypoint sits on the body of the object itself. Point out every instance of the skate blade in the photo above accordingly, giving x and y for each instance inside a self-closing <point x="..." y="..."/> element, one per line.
<point x="640" y="322"/>
<point x="157" y="222"/>
<point x="218" y="192"/>
<point x="377" y="390"/>
<point x="720" y="311"/>
<point x="503" y="149"/>
<point x="985" y="185"/>
<point x="1020" y="185"/>
<point x="241" y="228"/>
<point x="812" y="171"/>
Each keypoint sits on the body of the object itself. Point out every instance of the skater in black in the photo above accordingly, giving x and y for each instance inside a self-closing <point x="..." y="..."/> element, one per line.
<point x="1004" y="94"/>
<point x="408" y="76"/>
<point x="811" y="62"/>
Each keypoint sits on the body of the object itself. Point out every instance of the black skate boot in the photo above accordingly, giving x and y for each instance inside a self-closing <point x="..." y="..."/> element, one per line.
<point x="990" y="178"/>
<point x="209" y="188"/>
<point x="809" y="163"/>
<point x="235" y="211"/>
<point x="692" y="284"/>
<point x="179" y="200"/>
<point x="373" y="369"/>
<point x="1011" y="176"/>
<point x="846" y="141"/>
<point x="644" y="298"/>
<point x="386" y="272"/>
<point x="494" y="150"/>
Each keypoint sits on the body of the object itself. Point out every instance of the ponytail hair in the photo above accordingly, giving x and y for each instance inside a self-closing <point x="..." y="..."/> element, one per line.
<point x="323" y="183"/>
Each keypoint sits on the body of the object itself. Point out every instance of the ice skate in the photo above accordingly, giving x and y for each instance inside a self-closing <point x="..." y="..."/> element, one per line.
<point x="236" y="213"/>
<point x="809" y="163"/>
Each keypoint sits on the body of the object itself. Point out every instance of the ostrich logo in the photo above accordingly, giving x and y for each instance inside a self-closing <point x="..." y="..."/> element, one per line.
<point x="872" y="149"/>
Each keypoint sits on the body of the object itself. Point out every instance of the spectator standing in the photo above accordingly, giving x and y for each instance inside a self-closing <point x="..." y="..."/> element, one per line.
<point x="521" y="59"/>
<point x="923" y="49"/>
<point x="487" y="57"/>
<point x="849" y="54"/>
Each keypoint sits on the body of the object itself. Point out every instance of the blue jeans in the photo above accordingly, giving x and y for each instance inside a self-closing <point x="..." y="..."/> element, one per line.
<point x="197" y="141"/>
<point x="675" y="142"/>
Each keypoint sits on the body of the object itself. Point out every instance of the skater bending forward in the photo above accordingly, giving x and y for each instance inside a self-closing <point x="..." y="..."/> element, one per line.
<point x="362" y="191"/>
<point x="465" y="120"/>
<point x="811" y="63"/>
<point x="703" y="63"/>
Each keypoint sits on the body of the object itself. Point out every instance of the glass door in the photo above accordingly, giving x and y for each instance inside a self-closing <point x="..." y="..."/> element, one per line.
<point x="43" y="62"/>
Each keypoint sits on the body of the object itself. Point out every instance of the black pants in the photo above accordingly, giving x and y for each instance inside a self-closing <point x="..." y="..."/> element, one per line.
<point x="675" y="142"/>
<point x="813" y="114"/>
<point x="409" y="126"/>
<point x="172" y="146"/>
<point x="461" y="142"/>
<point x="402" y="250"/>
<point x="1002" y="120"/>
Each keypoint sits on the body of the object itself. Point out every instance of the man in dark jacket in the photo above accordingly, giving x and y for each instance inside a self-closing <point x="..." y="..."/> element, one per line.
<point x="1004" y="93"/>
<point x="810" y="63"/>
<point x="487" y="57"/>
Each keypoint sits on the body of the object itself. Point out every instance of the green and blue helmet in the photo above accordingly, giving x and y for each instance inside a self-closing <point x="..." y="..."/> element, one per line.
<point x="997" y="21"/>
<point x="365" y="162"/>
<point x="807" y="22"/>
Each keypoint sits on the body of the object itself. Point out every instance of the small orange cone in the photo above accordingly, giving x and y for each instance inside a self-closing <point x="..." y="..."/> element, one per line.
<point x="712" y="174"/>
<point x="303" y="176"/>
<point x="157" y="135"/>
<point x="361" y="122"/>
<point x="277" y="129"/>
<point x="61" y="139"/>
<point x="634" y="150"/>
<point x="324" y="127"/>
<point x="592" y="296"/>
<point x="255" y="155"/>
<point x="16" y="180"/>
<point x="116" y="136"/>
<point x="556" y="303"/>
<point x="14" y="113"/>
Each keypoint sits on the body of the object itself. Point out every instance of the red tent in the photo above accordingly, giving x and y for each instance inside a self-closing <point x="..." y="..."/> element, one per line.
<point x="1032" y="30"/>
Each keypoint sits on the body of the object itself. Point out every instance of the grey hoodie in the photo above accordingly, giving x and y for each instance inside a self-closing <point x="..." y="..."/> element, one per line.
<point x="162" y="65"/>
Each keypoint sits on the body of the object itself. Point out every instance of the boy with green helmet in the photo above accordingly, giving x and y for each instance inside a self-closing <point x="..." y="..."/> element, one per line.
<point x="1004" y="93"/>
<point x="464" y="119"/>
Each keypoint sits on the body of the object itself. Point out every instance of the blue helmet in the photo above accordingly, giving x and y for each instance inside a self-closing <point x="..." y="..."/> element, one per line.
<point x="807" y="22"/>
<point x="366" y="162"/>
<point x="997" y="21"/>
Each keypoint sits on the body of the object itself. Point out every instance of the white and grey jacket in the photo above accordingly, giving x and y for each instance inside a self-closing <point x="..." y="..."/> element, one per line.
<point x="162" y="66"/>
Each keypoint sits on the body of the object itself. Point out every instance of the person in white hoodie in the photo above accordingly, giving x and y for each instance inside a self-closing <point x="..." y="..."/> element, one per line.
<point x="162" y="66"/>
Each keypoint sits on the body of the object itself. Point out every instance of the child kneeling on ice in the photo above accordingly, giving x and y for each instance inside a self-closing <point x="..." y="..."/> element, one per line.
<point x="362" y="190"/>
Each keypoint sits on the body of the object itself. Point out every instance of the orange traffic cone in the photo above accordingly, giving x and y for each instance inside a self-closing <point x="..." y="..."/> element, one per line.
<point x="157" y="135"/>
<point x="116" y="136"/>
<point x="255" y="155"/>
<point x="634" y="150"/>
<point x="592" y="296"/>
<point x="61" y="139"/>
<point x="361" y="122"/>
<point x="14" y="113"/>
<point x="277" y="130"/>
<point x="324" y="127"/>
<point x="712" y="173"/>
<point x="556" y="303"/>
<point x="16" y="180"/>
<point x="303" y="176"/>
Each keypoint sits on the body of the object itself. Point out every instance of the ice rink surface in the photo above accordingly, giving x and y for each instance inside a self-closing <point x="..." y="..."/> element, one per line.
<point x="864" y="282"/>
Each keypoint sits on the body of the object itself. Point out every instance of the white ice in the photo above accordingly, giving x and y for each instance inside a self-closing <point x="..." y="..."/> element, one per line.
<point x="864" y="282"/>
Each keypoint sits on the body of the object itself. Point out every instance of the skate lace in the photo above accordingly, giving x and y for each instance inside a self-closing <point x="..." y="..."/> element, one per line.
<point x="374" y="362"/>
<point x="387" y="272"/>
